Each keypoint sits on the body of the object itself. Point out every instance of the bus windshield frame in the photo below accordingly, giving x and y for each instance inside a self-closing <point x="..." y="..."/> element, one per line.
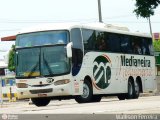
<point x="42" y="60"/>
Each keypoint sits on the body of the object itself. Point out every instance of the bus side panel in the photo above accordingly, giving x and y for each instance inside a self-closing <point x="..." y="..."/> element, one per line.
<point x="110" y="71"/>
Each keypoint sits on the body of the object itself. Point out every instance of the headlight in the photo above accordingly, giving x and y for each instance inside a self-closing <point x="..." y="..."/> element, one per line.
<point x="22" y="85"/>
<point x="60" y="82"/>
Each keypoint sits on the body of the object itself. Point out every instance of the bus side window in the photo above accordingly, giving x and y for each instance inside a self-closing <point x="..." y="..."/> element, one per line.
<point x="150" y="46"/>
<point x="125" y="44"/>
<point x="114" y="42"/>
<point x="145" y="48"/>
<point x="136" y="45"/>
<point x="101" y="41"/>
<point x="88" y="40"/>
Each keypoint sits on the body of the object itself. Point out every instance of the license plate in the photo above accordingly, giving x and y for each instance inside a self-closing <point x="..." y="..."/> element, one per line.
<point x="42" y="95"/>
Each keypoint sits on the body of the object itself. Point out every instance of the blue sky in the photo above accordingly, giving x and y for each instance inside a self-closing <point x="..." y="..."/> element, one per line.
<point x="18" y="14"/>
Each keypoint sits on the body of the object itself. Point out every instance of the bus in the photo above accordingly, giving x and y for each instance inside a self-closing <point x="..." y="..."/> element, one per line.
<point x="84" y="62"/>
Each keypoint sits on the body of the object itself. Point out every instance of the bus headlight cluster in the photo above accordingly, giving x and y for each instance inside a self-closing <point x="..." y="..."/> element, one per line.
<point x="60" y="82"/>
<point x="22" y="85"/>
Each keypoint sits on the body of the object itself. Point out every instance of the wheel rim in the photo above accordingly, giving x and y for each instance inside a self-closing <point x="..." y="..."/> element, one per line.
<point x="85" y="91"/>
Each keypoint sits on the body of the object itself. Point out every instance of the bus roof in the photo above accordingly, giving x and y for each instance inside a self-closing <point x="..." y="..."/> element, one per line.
<point x="94" y="26"/>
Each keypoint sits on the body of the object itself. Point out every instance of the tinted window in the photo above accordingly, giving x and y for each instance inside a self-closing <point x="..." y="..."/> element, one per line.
<point x="150" y="46"/>
<point x="118" y="43"/>
<point x="114" y="42"/>
<point x="145" y="47"/>
<point x="89" y="38"/>
<point x="142" y="45"/>
<point x="125" y="44"/>
<point x="101" y="41"/>
<point x="137" y="45"/>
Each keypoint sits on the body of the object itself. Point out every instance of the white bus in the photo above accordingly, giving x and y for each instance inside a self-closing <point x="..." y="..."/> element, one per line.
<point x="84" y="62"/>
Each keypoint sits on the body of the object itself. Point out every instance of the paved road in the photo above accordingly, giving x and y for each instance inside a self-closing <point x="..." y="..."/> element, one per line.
<point x="144" y="105"/>
<point x="107" y="109"/>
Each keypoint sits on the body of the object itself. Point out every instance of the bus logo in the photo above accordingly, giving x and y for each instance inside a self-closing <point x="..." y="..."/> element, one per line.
<point x="102" y="71"/>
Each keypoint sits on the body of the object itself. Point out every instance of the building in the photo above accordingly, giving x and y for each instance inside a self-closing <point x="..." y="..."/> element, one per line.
<point x="156" y="36"/>
<point x="9" y="38"/>
<point x="7" y="78"/>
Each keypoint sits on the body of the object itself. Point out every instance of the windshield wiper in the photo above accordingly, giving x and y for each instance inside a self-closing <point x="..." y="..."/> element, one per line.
<point x="33" y="69"/>
<point x="48" y="67"/>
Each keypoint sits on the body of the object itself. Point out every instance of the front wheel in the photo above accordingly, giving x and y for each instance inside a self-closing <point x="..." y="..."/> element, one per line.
<point x="87" y="93"/>
<point x="40" y="101"/>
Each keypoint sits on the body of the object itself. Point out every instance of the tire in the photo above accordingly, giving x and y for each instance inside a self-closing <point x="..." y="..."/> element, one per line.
<point x="122" y="96"/>
<point x="136" y="90"/>
<point x="87" y="95"/>
<point x="131" y="89"/>
<point x="40" y="101"/>
<point x="96" y="98"/>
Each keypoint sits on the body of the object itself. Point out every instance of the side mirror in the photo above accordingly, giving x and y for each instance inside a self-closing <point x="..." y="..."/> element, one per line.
<point x="69" y="49"/>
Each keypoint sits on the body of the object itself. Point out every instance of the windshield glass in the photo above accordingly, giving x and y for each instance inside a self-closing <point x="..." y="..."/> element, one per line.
<point x="42" y="61"/>
<point x="54" y="60"/>
<point x="42" y="38"/>
<point x="27" y="62"/>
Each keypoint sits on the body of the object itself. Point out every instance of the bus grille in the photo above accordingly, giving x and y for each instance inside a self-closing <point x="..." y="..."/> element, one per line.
<point x="40" y="85"/>
<point x="41" y="91"/>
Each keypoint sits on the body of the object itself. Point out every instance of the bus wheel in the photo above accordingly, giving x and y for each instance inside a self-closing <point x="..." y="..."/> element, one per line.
<point x="96" y="98"/>
<point x="87" y="93"/>
<point x="40" y="101"/>
<point x="137" y="90"/>
<point x="130" y="90"/>
<point x="121" y="97"/>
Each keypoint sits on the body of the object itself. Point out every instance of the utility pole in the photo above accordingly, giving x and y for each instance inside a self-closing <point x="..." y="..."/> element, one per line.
<point x="150" y="27"/>
<point x="99" y="11"/>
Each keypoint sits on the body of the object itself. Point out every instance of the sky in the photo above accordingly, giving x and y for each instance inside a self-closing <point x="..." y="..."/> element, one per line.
<point x="18" y="14"/>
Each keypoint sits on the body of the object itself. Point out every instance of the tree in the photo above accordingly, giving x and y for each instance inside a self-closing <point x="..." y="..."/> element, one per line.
<point x="11" y="64"/>
<point x="156" y="44"/>
<point x="145" y="8"/>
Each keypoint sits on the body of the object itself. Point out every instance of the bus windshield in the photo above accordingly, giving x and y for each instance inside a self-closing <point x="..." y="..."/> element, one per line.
<point x="41" y="38"/>
<point x="42" y="61"/>
<point x="42" y="54"/>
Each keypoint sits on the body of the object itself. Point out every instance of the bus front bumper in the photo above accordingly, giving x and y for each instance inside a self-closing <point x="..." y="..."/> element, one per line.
<point x="60" y="90"/>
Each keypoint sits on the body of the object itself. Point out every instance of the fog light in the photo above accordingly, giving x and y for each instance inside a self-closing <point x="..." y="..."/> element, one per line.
<point x="22" y="85"/>
<point x="60" y="82"/>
